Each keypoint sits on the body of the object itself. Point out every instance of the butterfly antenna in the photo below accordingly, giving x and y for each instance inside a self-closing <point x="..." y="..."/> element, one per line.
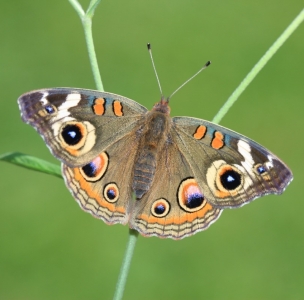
<point x="207" y="64"/>
<point x="152" y="60"/>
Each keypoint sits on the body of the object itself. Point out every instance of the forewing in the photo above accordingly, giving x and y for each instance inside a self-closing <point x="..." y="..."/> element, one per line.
<point x="78" y="124"/>
<point x="230" y="168"/>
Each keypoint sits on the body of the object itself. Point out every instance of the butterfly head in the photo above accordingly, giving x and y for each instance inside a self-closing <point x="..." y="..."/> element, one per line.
<point x="162" y="106"/>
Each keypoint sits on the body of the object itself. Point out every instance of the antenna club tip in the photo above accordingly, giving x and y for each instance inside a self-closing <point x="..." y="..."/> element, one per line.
<point x="149" y="46"/>
<point x="208" y="63"/>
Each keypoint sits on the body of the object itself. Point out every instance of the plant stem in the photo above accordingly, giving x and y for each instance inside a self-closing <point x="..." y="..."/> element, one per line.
<point x="258" y="67"/>
<point x="86" y="19"/>
<point x="92" y="6"/>
<point x="87" y="26"/>
<point x="124" y="270"/>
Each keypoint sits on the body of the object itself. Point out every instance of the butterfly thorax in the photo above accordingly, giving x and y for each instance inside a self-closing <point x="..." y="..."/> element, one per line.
<point x="162" y="106"/>
<point x="153" y="136"/>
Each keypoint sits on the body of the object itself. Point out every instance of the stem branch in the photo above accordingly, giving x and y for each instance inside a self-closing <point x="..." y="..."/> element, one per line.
<point x="258" y="67"/>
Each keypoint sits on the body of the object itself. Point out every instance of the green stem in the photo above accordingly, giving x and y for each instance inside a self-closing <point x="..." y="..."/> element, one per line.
<point x="78" y="8"/>
<point x="258" y="67"/>
<point x="124" y="270"/>
<point x="86" y="19"/>
<point x="91" y="9"/>
<point x="87" y="26"/>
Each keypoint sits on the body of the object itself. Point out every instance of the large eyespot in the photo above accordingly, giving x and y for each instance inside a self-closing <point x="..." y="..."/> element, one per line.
<point x="229" y="178"/>
<point x="72" y="134"/>
<point x="77" y="138"/>
<point x="160" y="208"/>
<point x="95" y="169"/>
<point x="226" y="181"/>
<point x="189" y="196"/>
<point x="111" y="192"/>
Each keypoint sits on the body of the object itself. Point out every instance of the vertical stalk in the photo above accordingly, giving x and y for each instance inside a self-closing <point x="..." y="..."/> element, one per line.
<point x="124" y="270"/>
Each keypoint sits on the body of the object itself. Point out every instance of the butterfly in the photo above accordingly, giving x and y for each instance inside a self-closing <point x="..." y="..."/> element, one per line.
<point x="183" y="171"/>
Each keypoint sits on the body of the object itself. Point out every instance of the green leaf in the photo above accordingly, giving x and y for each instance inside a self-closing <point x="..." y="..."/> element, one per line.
<point x="31" y="162"/>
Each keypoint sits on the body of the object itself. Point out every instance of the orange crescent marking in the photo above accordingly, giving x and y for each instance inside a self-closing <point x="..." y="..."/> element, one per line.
<point x="218" y="140"/>
<point x="117" y="108"/>
<point x="200" y="132"/>
<point x="87" y="187"/>
<point x="222" y="194"/>
<point x="98" y="106"/>
<point x="72" y="151"/>
<point x="186" y="217"/>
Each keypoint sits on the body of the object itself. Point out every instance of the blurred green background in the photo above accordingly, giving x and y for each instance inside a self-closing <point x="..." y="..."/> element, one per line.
<point x="51" y="249"/>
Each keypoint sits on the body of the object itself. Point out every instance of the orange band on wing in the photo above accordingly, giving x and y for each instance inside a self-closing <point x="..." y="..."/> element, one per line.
<point x="72" y="151"/>
<point x="87" y="187"/>
<point x="186" y="217"/>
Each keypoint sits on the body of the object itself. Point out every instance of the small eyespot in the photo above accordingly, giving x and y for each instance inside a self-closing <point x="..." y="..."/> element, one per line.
<point x="95" y="169"/>
<point x="190" y="197"/>
<point x="71" y="134"/>
<point x="160" y="208"/>
<point x="260" y="169"/>
<point x="50" y="109"/>
<point x="111" y="192"/>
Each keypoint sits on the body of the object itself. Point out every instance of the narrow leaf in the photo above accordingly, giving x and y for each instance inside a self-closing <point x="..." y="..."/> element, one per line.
<point x="31" y="162"/>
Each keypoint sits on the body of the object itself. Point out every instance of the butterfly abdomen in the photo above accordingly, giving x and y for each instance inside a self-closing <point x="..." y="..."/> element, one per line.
<point x="144" y="171"/>
<point x="152" y="139"/>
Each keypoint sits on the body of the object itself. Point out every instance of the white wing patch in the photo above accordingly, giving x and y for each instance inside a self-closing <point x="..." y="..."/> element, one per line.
<point x="71" y="100"/>
<point x="269" y="164"/>
<point x="43" y="99"/>
<point x="63" y="114"/>
<point x="245" y="149"/>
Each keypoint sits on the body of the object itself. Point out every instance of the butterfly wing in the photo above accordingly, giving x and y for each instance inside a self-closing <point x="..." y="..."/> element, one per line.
<point x="78" y="124"/>
<point x="103" y="186"/>
<point x="174" y="207"/>
<point x="230" y="168"/>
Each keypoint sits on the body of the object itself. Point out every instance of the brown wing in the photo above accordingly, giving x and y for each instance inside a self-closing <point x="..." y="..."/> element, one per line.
<point x="103" y="186"/>
<point x="175" y="206"/>
<point x="78" y="124"/>
<point x="230" y="168"/>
